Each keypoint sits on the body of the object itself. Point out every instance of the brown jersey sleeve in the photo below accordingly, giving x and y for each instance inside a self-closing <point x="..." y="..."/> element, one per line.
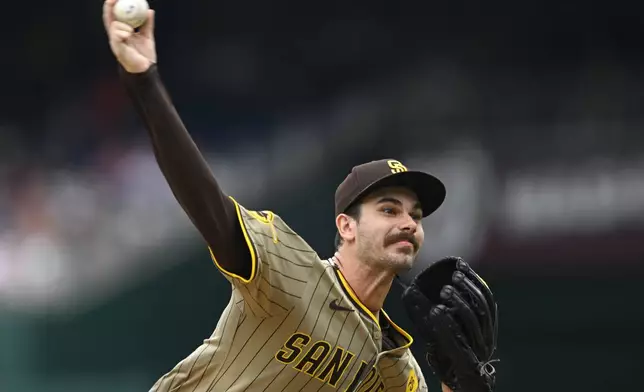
<point x="187" y="172"/>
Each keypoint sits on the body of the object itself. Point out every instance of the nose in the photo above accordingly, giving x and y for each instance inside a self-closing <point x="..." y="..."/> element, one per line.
<point x="409" y="225"/>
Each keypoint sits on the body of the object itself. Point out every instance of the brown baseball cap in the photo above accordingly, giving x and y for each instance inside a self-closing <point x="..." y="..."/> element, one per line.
<point x="370" y="176"/>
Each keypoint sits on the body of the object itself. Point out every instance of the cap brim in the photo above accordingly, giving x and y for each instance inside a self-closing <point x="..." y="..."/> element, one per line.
<point x="430" y="190"/>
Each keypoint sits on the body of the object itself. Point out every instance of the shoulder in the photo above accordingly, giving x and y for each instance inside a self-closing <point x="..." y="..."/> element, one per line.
<point x="278" y="239"/>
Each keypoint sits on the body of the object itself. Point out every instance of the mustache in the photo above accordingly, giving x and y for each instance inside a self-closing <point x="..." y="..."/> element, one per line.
<point x="402" y="236"/>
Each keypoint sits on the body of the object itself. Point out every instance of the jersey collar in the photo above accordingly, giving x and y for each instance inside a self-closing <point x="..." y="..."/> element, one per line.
<point x="358" y="304"/>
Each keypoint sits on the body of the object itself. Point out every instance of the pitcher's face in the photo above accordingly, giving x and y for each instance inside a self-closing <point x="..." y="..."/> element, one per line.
<point x="389" y="232"/>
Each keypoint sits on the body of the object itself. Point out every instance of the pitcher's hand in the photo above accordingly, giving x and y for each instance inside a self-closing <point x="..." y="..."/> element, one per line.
<point x="134" y="50"/>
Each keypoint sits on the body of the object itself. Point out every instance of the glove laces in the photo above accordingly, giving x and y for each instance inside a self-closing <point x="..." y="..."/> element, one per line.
<point x="486" y="369"/>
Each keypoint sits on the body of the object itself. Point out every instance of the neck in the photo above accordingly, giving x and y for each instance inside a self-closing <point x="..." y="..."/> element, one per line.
<point x="370" y="284"/>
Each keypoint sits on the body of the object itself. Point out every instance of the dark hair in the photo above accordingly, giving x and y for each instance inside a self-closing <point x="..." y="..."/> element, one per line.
<point x="354" y="212"/>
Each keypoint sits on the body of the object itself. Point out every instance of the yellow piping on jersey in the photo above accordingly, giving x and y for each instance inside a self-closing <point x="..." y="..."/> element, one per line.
<point x="404" y="333"/>
<point x="253" y="256"/>
<point x="355" y="298"/>
<point x="353" y="295"/>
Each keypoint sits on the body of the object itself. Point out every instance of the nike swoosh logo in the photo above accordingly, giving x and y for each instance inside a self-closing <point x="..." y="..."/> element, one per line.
<point x="335" y="305"/>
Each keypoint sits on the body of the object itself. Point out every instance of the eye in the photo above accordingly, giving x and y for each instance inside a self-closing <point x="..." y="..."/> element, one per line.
<point x="389" y="211"/>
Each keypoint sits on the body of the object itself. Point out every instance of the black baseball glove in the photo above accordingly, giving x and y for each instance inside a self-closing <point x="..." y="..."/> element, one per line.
<point x="454" y="311"/>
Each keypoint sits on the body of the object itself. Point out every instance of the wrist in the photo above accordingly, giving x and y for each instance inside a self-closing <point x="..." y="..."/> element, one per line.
<point x="136" y="73"/>
<point x="138" y="69"/>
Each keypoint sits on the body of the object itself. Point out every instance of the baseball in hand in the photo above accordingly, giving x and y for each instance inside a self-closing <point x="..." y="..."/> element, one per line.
<point x="132" y="12"/>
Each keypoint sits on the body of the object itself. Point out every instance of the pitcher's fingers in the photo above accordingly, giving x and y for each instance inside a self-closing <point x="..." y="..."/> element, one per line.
<point x="147" y="30"/>
<point x="120" y="35"/>
<point x="108" y="13"/>
<point x="120" y="26"/>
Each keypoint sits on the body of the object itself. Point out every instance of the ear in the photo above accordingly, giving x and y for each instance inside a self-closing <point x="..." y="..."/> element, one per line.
<point x="346" y="226"/>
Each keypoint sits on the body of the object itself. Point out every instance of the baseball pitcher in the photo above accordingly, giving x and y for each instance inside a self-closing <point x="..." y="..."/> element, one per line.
<point x="296" y="321"/>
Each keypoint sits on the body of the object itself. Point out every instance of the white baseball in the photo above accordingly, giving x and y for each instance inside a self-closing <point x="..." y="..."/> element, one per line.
<point x="132" y="12"/>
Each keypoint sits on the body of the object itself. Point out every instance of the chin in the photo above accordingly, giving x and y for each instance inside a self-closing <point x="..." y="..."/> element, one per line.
<point x="401" y="262"/>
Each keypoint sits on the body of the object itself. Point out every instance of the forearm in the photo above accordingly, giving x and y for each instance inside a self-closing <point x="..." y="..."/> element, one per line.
<point x="445" y="388"/>
<point x="184" y="167"/>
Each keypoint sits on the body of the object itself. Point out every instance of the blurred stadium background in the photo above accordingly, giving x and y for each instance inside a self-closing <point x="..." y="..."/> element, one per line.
<point x="530" y="111"/>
